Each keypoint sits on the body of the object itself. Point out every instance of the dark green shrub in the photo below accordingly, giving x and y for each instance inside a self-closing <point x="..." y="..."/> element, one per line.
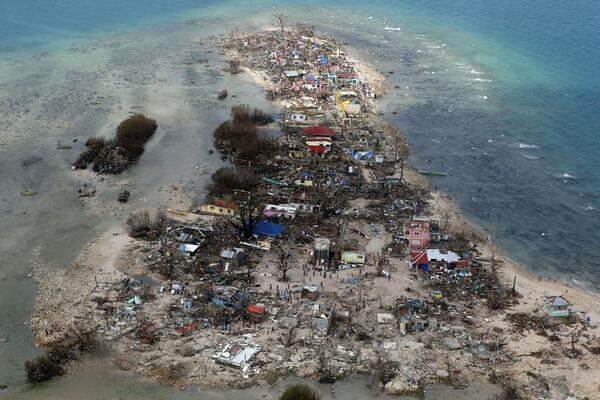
<point x="111" y="160"/>
<point x="243" y="115"/>
<point x="299" y="392"/>
<point x="133" y="133"/>
<point x="93" y="147"/>
<point x="228" y="180"/>
<point x="48" y="365"/>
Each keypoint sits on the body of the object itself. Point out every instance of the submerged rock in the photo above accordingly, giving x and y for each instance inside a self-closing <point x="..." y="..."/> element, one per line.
<point x="28" y="192"/>
<point x="124" y="196"/>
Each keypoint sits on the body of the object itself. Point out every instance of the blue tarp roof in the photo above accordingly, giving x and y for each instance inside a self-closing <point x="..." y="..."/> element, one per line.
<point x="268" y="228"/>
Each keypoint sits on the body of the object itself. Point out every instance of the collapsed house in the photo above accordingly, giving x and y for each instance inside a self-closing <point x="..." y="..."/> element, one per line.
<point x="556" y="306"/>
<point x="431" y="259"/>
<point x="237" y="355"/>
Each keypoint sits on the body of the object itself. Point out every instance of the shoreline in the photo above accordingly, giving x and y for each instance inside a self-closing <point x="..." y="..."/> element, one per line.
<point x="442" y="201"/>
<point x="525" y="282"/>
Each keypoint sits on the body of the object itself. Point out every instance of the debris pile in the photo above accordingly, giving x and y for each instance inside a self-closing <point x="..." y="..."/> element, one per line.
<point x="311" y="254"/>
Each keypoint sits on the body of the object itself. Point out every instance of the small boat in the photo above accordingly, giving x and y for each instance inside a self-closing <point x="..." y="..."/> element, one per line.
<point x="432" y="173"/>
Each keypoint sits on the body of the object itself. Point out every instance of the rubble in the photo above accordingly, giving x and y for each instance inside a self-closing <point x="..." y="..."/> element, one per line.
<point x="317" y="257"/>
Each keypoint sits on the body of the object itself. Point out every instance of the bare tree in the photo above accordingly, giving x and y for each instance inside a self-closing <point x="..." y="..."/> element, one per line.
<point x="281" y="20"/>
<point x="378" y="259"/>
<point x="249" y="210"/>
<point x="250" y="266"/>
<point x="288" y="339"/>
<point x="495" y="265"/>
<point x="234" y="66"/>
<point x="285" y="256"/>
<point x="445" y="220"/>
<point x="330" y="202"/>
<point x="145" y="330"/>
<point x="146" y="223"/>
<point x="383" y="368"/>
<point x="324" y="370"/>
<point x="304" y="29"/>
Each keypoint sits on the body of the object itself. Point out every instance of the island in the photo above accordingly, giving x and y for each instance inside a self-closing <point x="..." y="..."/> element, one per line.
<point x="320" y="253"/>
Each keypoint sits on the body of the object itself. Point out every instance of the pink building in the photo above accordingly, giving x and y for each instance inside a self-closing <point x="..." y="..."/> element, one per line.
<point x="417" y="233"/>
<point x="286" y="211"/>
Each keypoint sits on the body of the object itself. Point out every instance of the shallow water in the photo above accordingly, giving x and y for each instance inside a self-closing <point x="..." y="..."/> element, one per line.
<point x="508" y="109"/>
<point x="93" y="381"/>
<point x="84" y="88"/>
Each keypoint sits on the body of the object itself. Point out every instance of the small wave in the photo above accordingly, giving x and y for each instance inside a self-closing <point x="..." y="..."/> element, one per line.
<point x="390" y="28"/>
<point x="527" y="146"/>
<point x="482" y="80"/>
<point x="475" y="72"/>
<point x="565" y="176"/>
<point x="530" y="157"/>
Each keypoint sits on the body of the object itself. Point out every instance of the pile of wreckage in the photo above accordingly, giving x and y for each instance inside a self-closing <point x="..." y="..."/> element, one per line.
<point x="330" y="188"/>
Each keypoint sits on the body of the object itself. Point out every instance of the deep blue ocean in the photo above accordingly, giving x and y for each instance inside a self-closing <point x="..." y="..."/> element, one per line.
<point x="506" y="99"/>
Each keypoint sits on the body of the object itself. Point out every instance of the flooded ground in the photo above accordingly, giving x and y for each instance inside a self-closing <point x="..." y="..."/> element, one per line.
<point x="94" y="380"/>
<point x="74" y="91"/>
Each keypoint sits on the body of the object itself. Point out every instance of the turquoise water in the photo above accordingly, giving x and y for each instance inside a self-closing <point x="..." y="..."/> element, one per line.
<point x="503" y="95"/>
<point x="517" y="131"/>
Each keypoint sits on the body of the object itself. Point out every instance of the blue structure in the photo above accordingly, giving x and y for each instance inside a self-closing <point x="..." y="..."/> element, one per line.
<point x="266" y="228"/>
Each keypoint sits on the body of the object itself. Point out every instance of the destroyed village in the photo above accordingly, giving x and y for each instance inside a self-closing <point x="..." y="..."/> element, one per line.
<point x="317" y="252"/>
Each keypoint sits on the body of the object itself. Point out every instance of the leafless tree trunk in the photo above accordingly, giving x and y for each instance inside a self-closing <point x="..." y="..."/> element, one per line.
<point x="496" y="265"/>
<point x="289" y="338"/>
<point x="378" y="258"/>
<point x="250" y="267"/>
<point x="281" y="20"/>
<point x="285" y="261"/>
<point x="383" y="368"/>
<point x="445" y="220"/>
<point x="249" y="210"/>
<point x="330" y="201"/>
<point x="324" y="370"/>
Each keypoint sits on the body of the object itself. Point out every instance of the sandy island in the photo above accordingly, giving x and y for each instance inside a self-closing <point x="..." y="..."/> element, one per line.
<point x="463" y="340"/>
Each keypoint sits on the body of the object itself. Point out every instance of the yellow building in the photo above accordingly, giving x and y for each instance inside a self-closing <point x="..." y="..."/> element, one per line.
<point x="217" y="210"/>
<point x="353" y="257"/>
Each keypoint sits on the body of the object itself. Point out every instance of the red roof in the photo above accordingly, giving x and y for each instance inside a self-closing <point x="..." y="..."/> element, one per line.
<point x="347" y="75"/>
<point x="318" y="130"/>
<point x="254" y="309"/>
<point x="318" y="149"/>
<point x="419" y="257"/>
<point x="182" y="330"/>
